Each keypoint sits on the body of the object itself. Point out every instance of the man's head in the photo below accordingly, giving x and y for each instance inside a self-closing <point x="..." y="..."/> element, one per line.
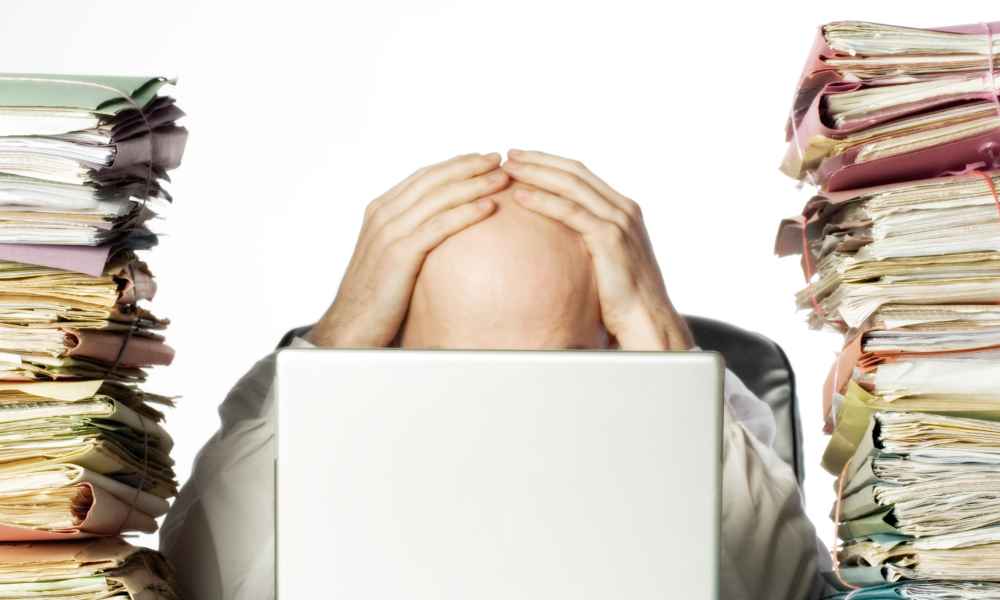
<point x="516" y="280"/>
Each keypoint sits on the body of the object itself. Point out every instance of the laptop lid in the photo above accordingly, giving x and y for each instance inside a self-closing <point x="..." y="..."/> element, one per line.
<point x="451" y="475"/>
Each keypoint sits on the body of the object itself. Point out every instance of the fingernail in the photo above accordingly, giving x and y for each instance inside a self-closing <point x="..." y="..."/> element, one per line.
<point x="484" y="204"/>
<point x="492" y="156"/>
<point x="510" y="164"/>
<point x="496" y="176"/>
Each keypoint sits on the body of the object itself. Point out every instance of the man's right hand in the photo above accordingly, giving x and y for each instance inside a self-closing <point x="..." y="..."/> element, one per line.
<point x="400" y="228"/>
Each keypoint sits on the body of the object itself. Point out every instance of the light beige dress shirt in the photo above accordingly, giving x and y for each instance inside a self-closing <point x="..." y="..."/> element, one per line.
<point x="219" y="534"/>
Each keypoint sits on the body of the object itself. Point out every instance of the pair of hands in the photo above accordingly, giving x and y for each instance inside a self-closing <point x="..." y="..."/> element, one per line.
<point x="404" y="224"/>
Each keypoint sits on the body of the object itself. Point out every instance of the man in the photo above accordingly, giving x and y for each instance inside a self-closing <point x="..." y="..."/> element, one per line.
<point x="535" y="253"/>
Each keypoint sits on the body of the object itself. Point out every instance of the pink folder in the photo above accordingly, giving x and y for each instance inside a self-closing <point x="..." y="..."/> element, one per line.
<point x="81" y="259"/>
<point x="107" y="515"/>
<point x="819" y="81"/>
<point x="104" y="346"/>
<point x="817" y="75"/>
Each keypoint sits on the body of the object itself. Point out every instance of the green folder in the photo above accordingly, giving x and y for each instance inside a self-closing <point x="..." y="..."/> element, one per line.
<point x="99" y="94"/>
<point x="855" y="418"/>
<point x="864" y="577"/>
<point x="898" y="591"/>
<point x="868" y="525"/>
<point x="882" y="592"/>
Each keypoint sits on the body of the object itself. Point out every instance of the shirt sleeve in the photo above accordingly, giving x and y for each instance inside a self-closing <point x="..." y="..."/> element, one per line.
<point x="749" y="410"/>
<point x="219" y="533"/>
<point x="746" y="408"/>
<point x="769" y="546"/>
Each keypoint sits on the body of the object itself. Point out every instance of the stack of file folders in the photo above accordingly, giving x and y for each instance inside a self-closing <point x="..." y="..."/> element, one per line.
<point x="84" y="457"/>
<point x="93" y="569"/>
<point x="879" y="104"/>
<point x="899" y="130"/>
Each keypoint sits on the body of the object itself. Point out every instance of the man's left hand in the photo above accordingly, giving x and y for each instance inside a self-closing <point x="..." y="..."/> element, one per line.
<point x="635" y="306"/>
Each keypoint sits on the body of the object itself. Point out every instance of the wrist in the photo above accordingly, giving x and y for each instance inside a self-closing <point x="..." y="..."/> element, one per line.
<point x="662" y="331"/>
<point x="332" y="332"/>
<point x="321" y="334"/>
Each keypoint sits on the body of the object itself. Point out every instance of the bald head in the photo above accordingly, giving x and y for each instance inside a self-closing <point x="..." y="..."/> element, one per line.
<point x="514" y="280"/>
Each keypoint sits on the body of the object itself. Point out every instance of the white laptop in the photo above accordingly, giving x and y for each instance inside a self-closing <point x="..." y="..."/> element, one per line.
<point x="498" y="475"/>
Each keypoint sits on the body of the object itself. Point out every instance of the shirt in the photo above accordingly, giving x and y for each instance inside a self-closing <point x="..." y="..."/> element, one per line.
<point x="219" y="533"/>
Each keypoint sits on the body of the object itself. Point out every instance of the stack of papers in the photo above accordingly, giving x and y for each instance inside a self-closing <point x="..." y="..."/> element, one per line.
<point x="83" y="453"/>
<point x="87" y="129"/>
<point x="880" y="103"/>
<point x="81" y="164"/>
<point x="58" y="324"/>
<point x="81" y="458"/>
<point x="922" y="475"/>
<point x="85" y="570"/>
<point x="910" y="272"/>
<point x="942" y="590"/>
<point x="900" y="246"/>
<point x="875" y="51"/>
<point x="931" y="241"/>
<point x="920" y="500"/>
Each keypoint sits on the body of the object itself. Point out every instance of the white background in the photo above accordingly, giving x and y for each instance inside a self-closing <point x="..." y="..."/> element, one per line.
<point x="301" y="112"/>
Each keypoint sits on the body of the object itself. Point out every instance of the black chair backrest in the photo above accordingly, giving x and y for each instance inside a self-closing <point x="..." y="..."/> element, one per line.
<point x="765" y="370"/>
<point x="755" y="359"/>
